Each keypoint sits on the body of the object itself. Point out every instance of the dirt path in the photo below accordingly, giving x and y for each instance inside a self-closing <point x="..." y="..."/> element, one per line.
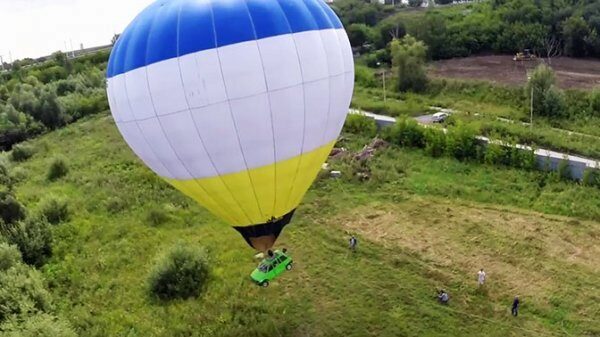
<point x="571" y="73"/>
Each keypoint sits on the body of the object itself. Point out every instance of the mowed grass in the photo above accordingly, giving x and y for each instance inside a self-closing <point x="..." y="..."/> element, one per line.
<point x="422" y="224"/>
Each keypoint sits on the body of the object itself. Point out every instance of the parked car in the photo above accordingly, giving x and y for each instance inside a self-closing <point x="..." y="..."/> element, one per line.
<point x="439" y="117"/>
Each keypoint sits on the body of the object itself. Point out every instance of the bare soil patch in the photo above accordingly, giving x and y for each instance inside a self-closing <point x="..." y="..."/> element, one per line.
<point x="571" y="73"/>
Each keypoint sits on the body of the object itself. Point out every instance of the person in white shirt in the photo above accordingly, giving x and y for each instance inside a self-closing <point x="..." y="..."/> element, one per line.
<point x="480" y="277"/>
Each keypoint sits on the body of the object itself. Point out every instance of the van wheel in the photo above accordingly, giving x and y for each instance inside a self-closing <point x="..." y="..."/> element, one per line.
<point x="264" y="284"/>
<point x="289" y="266"/>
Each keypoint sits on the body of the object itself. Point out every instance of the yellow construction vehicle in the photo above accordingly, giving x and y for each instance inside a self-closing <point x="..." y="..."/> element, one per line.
<point x="526" y="55"/>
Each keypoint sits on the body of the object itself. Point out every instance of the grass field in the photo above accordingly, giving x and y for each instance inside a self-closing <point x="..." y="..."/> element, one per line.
<point x="422" y="224"/>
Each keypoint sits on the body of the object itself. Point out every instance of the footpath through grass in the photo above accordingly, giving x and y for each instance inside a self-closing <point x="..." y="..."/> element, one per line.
<point x="422" y="224"/>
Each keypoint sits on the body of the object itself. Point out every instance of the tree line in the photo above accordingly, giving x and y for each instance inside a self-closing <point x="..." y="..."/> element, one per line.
<point x="548" y="28"/>
<point x="44" y="96"/>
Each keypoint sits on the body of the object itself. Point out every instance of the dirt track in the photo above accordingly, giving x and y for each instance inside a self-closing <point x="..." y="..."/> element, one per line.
<point x="571" y="73"/>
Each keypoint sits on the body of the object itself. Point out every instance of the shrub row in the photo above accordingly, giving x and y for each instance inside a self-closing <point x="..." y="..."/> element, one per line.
<point x="459" y="141"/>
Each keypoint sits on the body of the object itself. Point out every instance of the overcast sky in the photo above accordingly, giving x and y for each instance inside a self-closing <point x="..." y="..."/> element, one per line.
<point x="33" y="28"/>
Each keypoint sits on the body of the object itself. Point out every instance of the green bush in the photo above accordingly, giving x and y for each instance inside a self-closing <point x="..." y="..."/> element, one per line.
<point x="22" y="292"/>
<point x="115" y="205"/>
<point x="364" y="76"/>
<point x="595" y="102"/>
<point x="360" y="124"/>
<point x="435" y="142"/>
<point x="18" y="174"/>
<point x="387" y="168"/>
<point x="11" y="209"/>
<point x="496" y="154"/>
<point x="524" y="159"/>
<point x="406" y="132"/>
<point x="182" y="273"/>
<point x="461" y="142"/>
<point x="9" y="256"/>
<point x="38" y="325"/>
<point x="157" y="217"/>
<point x="408" y="57"/>
<point x="564" y="170"/>
<point x="21" y="152"/>
<point x="55" y="210"/>
<point x="58" y="169"/>
<point x="5" y="177"/>
<point x="548" y="100"/>
<point x="554" y="103"/>
<point x="33" y="238"/>
<point x="591" y="177"/>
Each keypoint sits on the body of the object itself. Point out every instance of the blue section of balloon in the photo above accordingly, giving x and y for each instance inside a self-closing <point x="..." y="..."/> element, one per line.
<point x="172" y="28"/>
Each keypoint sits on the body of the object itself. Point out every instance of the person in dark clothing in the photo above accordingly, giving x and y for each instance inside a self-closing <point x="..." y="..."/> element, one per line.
<point x="515" y="306"/>
<point x="353" y="243"/>
<point x="443" y="296"/>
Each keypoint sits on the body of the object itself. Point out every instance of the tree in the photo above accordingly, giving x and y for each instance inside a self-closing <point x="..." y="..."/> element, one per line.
<point x="60" y="58"/>
<point x="575" y="31"/>
<point x="389" y="29"/>
<point x="433" y="31"/>
<point x="554" y="103"/>
<point x="63" y="61"/>
<point x="114" y="39"/>
<point x="547" y="99"/>
<point x="358" y="11"/>
<point x="551" y="47"/>
<point x="32" y="236"/>
<point x="408" y="57"/>
<point x="50" y="112"/>
<point x="359" y="34"/>
<point x="415" y="3"/>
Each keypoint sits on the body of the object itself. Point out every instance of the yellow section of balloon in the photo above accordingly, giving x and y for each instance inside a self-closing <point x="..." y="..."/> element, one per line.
<point x="254" y="196"/>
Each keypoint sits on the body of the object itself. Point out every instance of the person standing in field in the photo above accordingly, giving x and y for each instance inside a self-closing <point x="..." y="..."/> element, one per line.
<point x="480" y="277"/>
<point x="353" y="243"/>
<point x="515" y="306"/>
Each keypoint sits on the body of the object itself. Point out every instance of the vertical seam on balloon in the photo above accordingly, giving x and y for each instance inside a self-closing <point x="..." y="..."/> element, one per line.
<point x="136" y="123"/>
<point x="270" y="109"/>
<point x="195" y="126"/>
<point x="328" y="73"/>
<point x="231" y="110"/>
<point x="154" y="106"/>
<point x="346" y="73"/>
<point x="331" y="94"/>
<point x="287" y="206"/>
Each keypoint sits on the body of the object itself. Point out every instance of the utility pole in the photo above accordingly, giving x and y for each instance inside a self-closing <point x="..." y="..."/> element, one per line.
<point x="384" y="96"/>
<point x="531" y="103"/>
<point x="383" y="75"/>
<point x="531" y="117"/>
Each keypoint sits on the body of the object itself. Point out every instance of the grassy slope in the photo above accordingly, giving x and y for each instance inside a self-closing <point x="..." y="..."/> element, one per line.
<point x="422" y="224"/>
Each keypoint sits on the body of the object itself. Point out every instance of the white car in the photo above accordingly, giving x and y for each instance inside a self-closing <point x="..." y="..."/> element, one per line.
<point x="439" y="117"/>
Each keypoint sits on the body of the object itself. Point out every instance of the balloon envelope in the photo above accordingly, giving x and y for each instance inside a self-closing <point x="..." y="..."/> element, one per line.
<point x="236" y="103"/>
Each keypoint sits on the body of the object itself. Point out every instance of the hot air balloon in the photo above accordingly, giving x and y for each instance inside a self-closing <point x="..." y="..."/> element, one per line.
<point x="236" y="103"/>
